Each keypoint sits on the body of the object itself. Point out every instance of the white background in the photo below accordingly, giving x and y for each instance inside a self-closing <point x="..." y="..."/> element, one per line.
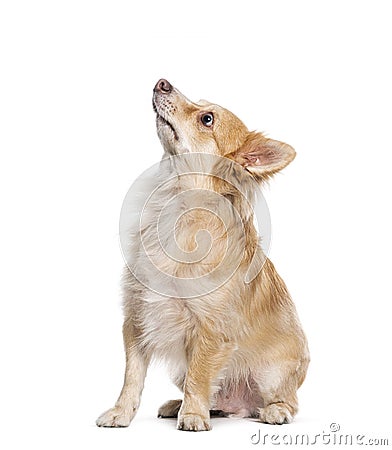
<point x="76" y="128"/>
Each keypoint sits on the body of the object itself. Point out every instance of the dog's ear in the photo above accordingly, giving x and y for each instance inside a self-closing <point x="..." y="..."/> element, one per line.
<point x="262" y="156"/>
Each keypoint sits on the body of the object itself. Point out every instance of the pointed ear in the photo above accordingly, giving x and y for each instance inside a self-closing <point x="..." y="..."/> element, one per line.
<point x="263" y="156"/>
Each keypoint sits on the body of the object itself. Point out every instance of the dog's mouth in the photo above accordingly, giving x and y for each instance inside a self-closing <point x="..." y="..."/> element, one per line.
<point x="163" y="121"/>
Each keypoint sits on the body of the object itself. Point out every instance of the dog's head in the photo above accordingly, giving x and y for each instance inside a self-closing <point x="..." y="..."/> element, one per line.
<point x="187" y="127"/>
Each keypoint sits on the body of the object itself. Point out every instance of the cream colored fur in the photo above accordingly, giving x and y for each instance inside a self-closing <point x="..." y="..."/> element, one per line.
<point x="230" y="344"/>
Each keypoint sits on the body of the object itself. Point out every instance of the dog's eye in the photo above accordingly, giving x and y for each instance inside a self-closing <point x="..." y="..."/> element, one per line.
<point x="207" y="119"/>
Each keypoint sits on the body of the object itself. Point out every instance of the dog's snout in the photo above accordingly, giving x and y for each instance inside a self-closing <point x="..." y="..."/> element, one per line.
<point x="163" y="86"/>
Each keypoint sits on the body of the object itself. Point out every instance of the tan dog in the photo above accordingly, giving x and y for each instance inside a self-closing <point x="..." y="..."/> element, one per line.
<point x="198" y="290"/>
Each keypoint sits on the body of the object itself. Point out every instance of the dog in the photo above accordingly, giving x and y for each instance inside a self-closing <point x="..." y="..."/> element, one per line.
<point x="198" y="290"/>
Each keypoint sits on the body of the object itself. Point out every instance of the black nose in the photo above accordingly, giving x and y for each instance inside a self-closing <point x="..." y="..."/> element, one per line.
<point x="163" y="86"/>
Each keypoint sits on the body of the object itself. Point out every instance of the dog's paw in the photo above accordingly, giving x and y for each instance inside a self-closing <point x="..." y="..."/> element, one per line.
<point x="275" y="414"/>
<point x="170" y="409"/>
<point x="193" y="422"/>
<point x="115" y="417"/>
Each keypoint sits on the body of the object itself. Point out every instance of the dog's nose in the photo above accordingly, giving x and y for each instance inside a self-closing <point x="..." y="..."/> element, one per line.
<point x="163" y="86"/>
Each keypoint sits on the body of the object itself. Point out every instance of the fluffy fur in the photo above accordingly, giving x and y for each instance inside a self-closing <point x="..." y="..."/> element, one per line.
<point x="232" y="345"/>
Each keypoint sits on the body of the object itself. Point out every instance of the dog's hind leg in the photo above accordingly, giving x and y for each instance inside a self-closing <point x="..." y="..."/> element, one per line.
<point x="170" y="409"/>
<point x="278" y="386"/>
<point x="128" y="402"/>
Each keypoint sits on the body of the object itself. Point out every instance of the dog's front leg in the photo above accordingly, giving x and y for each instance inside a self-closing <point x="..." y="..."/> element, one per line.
<point x="207" y="358"/>
<point x="135" y="372"/>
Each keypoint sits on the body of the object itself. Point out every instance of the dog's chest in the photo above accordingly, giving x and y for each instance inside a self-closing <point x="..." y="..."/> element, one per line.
<point x="185" y="235"/>
<point x="167" y="325"/>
